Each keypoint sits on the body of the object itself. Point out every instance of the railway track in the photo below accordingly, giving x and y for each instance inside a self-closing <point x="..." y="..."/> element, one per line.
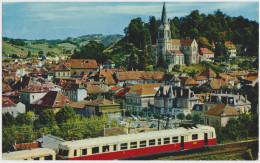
<point x="221" y="149"/>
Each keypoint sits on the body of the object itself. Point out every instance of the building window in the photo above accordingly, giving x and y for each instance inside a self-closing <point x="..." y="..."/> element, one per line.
<point x="84" y="151"/>
<point x="95" y="150"/>
<point x="143" y="143"/>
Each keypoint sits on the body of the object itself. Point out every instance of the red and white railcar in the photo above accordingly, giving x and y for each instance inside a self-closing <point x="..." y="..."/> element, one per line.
<point x="140" y="144"/>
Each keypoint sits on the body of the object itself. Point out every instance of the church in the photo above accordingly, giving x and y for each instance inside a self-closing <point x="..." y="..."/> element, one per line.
<point x="174" y="51"/>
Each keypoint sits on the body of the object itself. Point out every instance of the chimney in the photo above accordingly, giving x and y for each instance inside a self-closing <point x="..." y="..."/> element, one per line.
<point x="227" y="100"/>
<point x="245" y="98"/>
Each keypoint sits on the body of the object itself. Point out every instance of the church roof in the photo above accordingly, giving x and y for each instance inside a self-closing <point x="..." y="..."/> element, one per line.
<point x="164" y="16"/>
<point x="181" y="42"/>
<point x="176" y="51"/>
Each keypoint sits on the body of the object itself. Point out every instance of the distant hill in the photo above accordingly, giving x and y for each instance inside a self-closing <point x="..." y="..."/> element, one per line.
<point x="16" y="46"/>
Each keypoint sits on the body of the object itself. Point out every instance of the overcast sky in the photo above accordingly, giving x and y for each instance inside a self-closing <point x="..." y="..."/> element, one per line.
<point x="35" y="20"/>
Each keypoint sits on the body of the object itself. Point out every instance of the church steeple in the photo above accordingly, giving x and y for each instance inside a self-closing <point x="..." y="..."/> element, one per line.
<point x="164" y="16"/>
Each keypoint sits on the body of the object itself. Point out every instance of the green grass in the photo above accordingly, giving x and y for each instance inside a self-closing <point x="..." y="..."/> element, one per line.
<point x="223" y="157"/>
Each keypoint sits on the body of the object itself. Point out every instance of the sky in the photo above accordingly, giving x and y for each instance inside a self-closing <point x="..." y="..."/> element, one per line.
<point x="59" y="20"/>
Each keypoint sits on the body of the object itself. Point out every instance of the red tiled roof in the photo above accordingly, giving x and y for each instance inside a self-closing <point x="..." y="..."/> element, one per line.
<point x="122" y="92"/>
<point x="94" y="89"/>
<point x="61" y="67"/>
<point x="6" y="88"/>
<point x="176" y="51"/>
<point x="101" y="102"/>
<point x="251" y="78"/>
<point x="115" y="88"/>
<point x="35" y="71"/>
<point x="25" y="146"/>
<point x="176" y="42"/>
<point x="34" y="88"/>
<point x="81" y="63"/>
<point x="6" y="102"/>
<point x="222" y="110"/>
<point x="198" y="78"/>
<point x="205" y="51"/>
<point x="139" y="75"/>
<point x="208" y="73"/>
<point x="225" y="76"/>
<point x="188" y="81"/>
<point x="144" y="91"/>
<point x="181" y="42"/>
<point x="53" y="99"/>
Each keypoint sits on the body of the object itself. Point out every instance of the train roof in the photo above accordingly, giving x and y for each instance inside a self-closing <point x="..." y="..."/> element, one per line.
<point x="92" y="142"/>
<point x="37" y="152"/>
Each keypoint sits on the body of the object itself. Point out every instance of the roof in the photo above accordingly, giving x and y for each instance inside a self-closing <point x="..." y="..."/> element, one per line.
<point x="208" y="73"/>
<point x="6" y="87"/>
<point x="102" y="102"/>
<point x="139" y="75"/>
<point x="79" y="104"/>
<point x="131" y="137"/>
<point x="80" y="72"/>
<point x="171" y="78"/>
<point x="50" y="141"/>
<point x="18" y="155"/>
<point x="34" y="88"/>
<point x="81" y="63"/>
<point x="198" y="78"/>
<point x="188" y="81"/>
<point x="113" y="131"/>
<point x="6" y="102"/>
<point x="122" y="92"/>
<point x="91" y="89"/>
<point x="205" y="51"/>
<point x="25" y="146"/>
<point x="225" y="76"/>
<point x="176" y="51"/>
<point x="71" y="86"/>
<point x="61" y="67"/>
<point x="230" y="45"/>
<point x="53" y="99"/>
<point x="222" y="110"/>
<point x="115" y="88"/>
<point x="251" y="78"/>
<point x="144" y="91"/>
<point x="216" y="84"/>
<point x="181" y="42"/>
<point x="35" y="71"/>
<point x="238" y="73"/>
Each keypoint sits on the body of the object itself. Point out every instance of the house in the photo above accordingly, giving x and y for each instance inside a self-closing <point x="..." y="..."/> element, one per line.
<point x="237" y="101"/>
<point x="220" y="115"/>
<point x="52" y="100"/>
<point x="79" y="107"/>
<point x="251" y="80"/>
<point x="239" y="74"/>
<point x="76" y="92"/>
<point x="174" y="100"/>
<point x="102" y="106"/>
<point x="32" y="93"/>
<point x="137" y="77"/>
<point x="11" y="107"/>
<point x="215" y="85"/>
<point x="187" y="82"/>
<point x="231" y="49"/>
<point x="13" y="96"/>
<point x="139" y="99"/>
<point x="61" y="71"/>
<point x="198" y="110"/>
<point x="227" y="78"/>
<point x="81" y="73"/>
<point x="200" y="79"/>
<point x="172" y="80"/>
<point x="206" y="55"/>
<point x="92" y="89"/>
<point x="106" y="78"/>
<point x="209" y="74"/>
<point x="81" y="64"/>
<point x="109" y="64"/>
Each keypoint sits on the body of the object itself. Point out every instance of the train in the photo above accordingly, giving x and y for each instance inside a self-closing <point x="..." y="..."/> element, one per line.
<point x="136" y="145"/>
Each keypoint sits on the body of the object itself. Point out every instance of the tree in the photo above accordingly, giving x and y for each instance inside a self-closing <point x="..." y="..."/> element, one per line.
<point x="40" y="52"/>
<point x="64" y="114"/>
<point x="29" y="54"/>
<point x="30" y="114"/>
<point x="141" y="113"/>
<point x="153" y="28"/>
<point x="143" y="59"/>
<point x="8" y="119"/>
<point x="181" y="116"/>
<point x="188" y="117"/>
<point x="161" y="62"/>
<point x="196" y="118"/>
<point x="113" y="123"/>
<point x="23" y="119"/>
<point x="47" y="117"/>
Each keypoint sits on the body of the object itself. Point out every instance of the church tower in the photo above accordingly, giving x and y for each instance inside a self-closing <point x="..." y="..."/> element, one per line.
<point x="163" y="42"/>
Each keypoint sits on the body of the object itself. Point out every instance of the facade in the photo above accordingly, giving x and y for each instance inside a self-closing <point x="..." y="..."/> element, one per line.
<point x="206" y="55"/>
<point x="176" y="52"/>
<point x="61" y="71"/>
<point x="237" y="101"/>
<point x="220" y="115"/>
<point x="76" y="92"/>
<point x="231" y="49"/>
<point x="174" y="100"/>
<point x="11" y="107"/>
<point x="200" y="79"/>
<point x="81" y="64"/>
<point x="251" y="81"/>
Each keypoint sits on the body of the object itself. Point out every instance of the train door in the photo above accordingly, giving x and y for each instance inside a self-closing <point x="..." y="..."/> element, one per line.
<point x="205" y="139"/>
<point x="182" y="142"/>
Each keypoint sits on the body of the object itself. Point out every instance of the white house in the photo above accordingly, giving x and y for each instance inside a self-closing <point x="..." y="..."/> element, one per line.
<point x="11" y="107"/>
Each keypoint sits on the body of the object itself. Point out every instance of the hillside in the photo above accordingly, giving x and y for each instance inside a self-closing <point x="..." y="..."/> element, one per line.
<point x="68" y="45"/>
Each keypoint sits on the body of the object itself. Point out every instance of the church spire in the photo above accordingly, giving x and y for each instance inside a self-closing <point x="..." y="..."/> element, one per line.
<point x="164" y="16"/>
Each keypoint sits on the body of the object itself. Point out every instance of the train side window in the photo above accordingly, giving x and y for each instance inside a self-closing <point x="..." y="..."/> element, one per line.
<point x="84" y="151"/>
<point x="166" y="140"/>
<point x="37" y="158"/>
<point x="143" y="143"/>
<point x="95" y="150"/>
<point x="152" y="142"/>
<point x="48" y="157"/>
<point x="65" y="152"/>
<point x="175" y="139"/>
<point x="60" y="151"/>
<point x="105" y="148"/>
<point x="194" y="136"/>
<point x="75" y="152"/>
<point x="115" y="147"/>
<point x="159" y="141"/>
<point x="123" y="146"/>
<point x="133" y="145"/>
<point x="212" y="135"/>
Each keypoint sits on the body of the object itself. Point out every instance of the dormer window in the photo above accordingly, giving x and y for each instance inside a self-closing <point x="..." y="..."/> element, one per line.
<point x="6" y="102"/>
<point x="67" y="101"/>
<point x="57" y="102"/>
